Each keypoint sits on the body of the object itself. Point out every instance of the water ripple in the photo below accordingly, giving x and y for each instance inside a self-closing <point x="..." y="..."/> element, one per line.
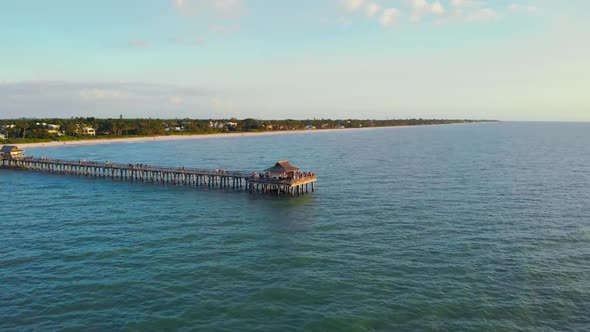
<point x="480" y="227"/>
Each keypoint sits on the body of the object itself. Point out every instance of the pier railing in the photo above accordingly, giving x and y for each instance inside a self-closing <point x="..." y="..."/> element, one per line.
<point x="187" y="176"/>
<point x="283" y="180"/>
<point x="138" y="167"/>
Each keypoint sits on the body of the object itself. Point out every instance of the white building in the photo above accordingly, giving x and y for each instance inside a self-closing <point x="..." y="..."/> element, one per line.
<point x="176" y="128"/>
<point x="10" y="126"/>
<point x="53" y="129"/>
<point x="216" y="125"/>
<point x="88" y="131"/>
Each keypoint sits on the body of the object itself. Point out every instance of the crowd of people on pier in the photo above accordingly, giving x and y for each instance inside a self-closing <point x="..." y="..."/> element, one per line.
<point x="282" y="177"/>
<point x="267" y="176"/>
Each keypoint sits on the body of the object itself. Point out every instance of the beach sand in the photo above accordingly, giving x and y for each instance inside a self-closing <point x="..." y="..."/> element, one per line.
<point x="201" y="136"/>
<point x="180" y="137"/>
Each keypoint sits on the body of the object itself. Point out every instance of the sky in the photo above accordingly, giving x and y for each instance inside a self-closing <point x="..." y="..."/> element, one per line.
<point x="278" y="59"/>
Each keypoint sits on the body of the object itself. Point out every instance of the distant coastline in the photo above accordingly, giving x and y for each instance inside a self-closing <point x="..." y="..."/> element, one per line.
<point x="146" y="139"/>
<point x="160" y="138"/>
<point x="81" y="131"/>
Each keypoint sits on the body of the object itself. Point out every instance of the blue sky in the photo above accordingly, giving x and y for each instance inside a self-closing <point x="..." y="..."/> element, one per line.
<point x="507" y="60"/>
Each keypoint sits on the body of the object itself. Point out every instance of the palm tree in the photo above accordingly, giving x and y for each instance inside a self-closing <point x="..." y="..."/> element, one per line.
<point x="23" y="125"/>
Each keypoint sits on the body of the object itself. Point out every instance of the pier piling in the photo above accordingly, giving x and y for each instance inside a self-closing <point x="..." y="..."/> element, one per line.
<point x="293" y="184"/>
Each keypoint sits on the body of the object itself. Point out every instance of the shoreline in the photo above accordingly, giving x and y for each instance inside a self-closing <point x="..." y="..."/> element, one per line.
<point x="196" y="136"/>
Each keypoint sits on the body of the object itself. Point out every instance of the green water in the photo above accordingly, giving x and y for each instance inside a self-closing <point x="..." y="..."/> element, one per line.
<point x="443" y="228"/>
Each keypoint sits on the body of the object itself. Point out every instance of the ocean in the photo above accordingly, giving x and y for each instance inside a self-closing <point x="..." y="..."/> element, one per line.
<point x="475" y="227"/>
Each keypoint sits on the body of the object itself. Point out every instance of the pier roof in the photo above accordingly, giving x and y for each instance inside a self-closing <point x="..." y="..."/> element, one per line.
<point x="9" y="149"/>
<point x="282" y="166"/>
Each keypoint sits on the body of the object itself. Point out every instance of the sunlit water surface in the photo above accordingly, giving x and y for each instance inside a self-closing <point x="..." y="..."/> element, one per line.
<point x="458" y="227"/>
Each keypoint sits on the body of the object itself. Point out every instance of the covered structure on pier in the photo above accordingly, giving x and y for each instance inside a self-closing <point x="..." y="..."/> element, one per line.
<point x="11" y="152"/>
<point x="281" y="169"/>
<point x="283" y="178"/>
<point x="289" y="179"/>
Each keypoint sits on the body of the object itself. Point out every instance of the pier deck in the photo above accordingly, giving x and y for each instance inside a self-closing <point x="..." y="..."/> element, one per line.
<point x="182" y="176"/>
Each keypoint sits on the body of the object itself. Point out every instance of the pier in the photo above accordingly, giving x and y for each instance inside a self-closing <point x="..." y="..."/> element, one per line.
<point x="281" y="179"/>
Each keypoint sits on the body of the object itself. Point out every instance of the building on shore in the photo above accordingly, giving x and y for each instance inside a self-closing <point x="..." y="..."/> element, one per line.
<point x="85" y="130"/>
<point x="216" y="125"/>
<point x="89" y="131"/>
<point x="53" y="129"/>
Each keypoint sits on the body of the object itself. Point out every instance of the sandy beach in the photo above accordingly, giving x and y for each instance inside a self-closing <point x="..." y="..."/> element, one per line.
<point x="207" y="136"/>
<point x="185" y="137"/>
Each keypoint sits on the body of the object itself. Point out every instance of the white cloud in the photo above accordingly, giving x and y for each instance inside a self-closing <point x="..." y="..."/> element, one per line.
<point x="389" y="16"/>
<point x="432" y="11"/>
<point x="437" y="8"/>
<point x="467" y="3"/>
<point x="95" y="94"/>
<point x="175" y="100"/>
<point x="226" y="8"/>
<point x="422" y="8"/>
<point x="483" y="15"/>
<point x="373" y="9"/>
<point x="516" y="7"/>
<point x="352" y="5"/>
<point x="101" y="99"/>
<point x="419" y="4"/>
<point x="419" y="9"/>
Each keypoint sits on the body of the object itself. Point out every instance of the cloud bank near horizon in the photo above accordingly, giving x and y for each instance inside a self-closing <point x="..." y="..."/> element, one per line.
<point x="504" y="59"/>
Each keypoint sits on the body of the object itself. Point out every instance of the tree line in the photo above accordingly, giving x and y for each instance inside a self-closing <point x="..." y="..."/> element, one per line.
<point x="21" y="130"/>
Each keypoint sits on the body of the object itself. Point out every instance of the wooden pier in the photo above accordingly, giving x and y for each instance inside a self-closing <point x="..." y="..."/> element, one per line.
<point x="282" y="178"/>
<point x="292" y="183"/>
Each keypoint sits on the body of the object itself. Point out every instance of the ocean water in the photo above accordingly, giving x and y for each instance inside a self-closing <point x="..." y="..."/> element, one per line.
<point x="440" y="228"/>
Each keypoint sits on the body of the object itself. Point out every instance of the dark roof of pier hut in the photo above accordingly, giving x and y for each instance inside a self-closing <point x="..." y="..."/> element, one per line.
<point x="282" y="166"/>
<point x="9" y="149"/>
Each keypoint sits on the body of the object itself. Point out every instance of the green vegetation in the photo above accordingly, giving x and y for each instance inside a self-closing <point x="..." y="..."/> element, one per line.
<point x="45" y="130"/>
